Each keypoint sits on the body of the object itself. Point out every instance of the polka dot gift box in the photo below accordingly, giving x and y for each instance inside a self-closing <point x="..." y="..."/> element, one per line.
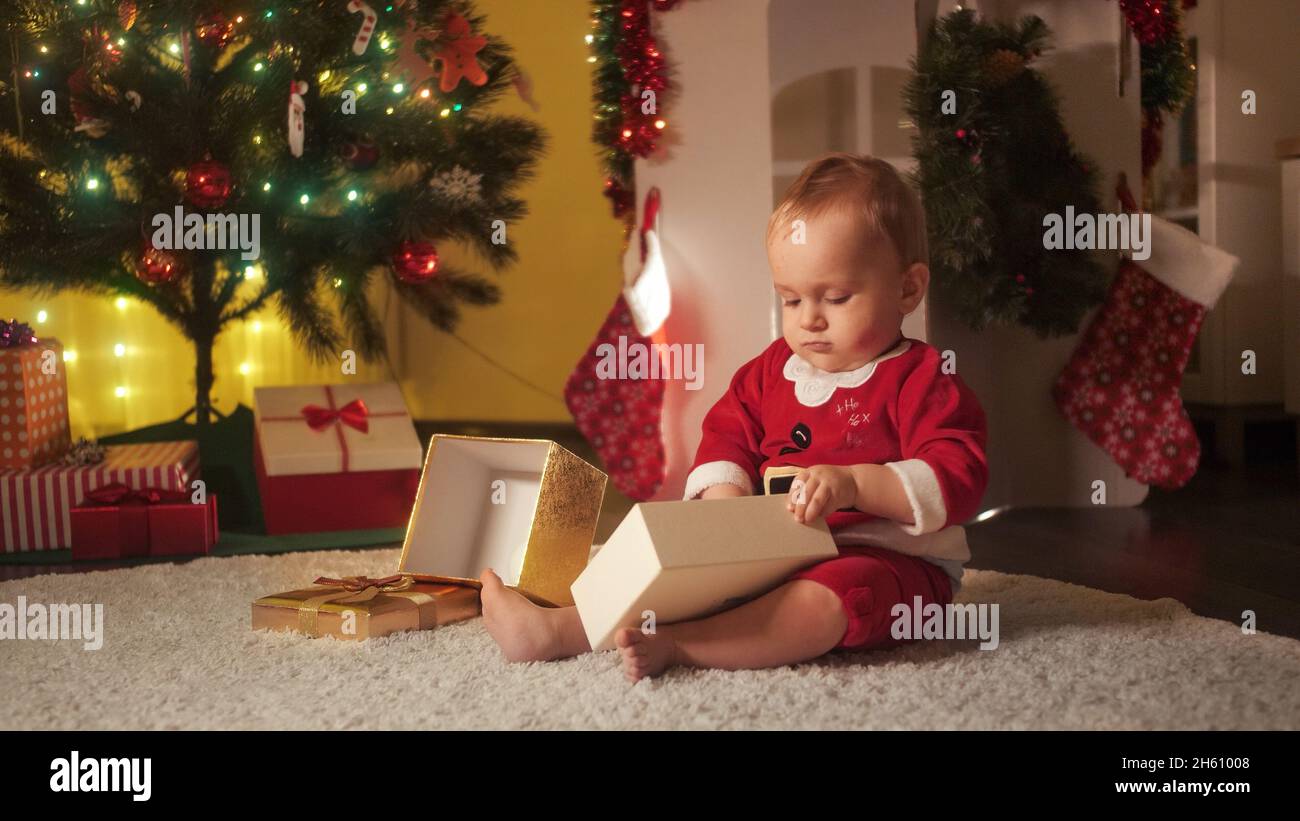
<point x="33" y="404"/>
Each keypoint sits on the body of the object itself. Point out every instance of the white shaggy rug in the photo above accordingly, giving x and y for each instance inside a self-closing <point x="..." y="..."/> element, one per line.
<point x="179" y="654"/>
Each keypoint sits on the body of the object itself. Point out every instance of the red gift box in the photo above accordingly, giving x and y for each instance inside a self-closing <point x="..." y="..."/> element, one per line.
<point x="36" y="505"/>
<point x="118" y="522"/>
<point x="33" y="405"/>
<point x="335" y="457"/>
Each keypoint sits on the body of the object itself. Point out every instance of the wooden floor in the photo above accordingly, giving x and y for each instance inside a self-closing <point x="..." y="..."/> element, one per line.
<point x="1227" y="542"/>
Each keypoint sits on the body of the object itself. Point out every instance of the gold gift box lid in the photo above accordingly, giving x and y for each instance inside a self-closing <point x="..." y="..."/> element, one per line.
<point x="527" y="508"/>
<point x="378" y="610"/>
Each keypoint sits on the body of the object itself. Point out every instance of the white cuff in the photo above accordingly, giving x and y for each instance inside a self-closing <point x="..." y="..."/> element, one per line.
<point x="922" y="486"/>
<point x="1187" y="263"/>
<point x="717" y="473"/>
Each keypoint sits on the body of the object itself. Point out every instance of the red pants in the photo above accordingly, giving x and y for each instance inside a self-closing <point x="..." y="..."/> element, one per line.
<point x="869" y="582"/>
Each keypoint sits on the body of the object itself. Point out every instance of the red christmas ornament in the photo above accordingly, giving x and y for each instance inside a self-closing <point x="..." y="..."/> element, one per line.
<point x="156" y="265"/>
<point x="360" y="153"/>
<point x="214" y="29"/>
<point x="458" y="50"/>
<point x="207" y="184"/>
<point x="1149" y="19"/>
<point x="126" y="13"/>
<point x="619" y="197"/>
<point x="415" y="262"/>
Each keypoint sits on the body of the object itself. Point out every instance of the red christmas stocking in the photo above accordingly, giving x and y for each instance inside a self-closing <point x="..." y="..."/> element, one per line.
<point x="1121" y="384"/>
<point x="618" y="415"/>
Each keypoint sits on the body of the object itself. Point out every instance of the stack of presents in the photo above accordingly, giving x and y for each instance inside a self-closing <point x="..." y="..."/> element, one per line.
<point x="347" y="457"/>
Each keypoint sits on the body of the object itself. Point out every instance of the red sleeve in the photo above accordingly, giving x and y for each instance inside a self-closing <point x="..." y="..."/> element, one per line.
<point x="729" y="450"/>
<point x="942" y="436"/>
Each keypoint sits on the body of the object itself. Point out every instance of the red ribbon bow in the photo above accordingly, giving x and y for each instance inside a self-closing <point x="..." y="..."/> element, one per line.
<point x="354" y="414"/>
<point x="117" y="494"/>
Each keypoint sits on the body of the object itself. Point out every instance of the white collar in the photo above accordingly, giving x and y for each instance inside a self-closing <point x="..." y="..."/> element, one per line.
<point x="814" y="386"/>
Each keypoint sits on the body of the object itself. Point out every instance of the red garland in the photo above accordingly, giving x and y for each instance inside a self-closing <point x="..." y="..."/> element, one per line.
<point x="644" y="69"/>
<point x="1148" y="19"/>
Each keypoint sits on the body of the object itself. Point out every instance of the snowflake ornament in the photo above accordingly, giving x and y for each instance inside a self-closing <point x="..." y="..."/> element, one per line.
<point x="458" y="186"/>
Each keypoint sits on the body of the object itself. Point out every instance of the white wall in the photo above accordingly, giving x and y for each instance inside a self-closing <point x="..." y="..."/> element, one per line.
<point x="717" y="194"/>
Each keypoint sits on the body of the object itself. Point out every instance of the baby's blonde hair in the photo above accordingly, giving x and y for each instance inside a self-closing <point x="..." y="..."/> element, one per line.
<point x="871" y="189"/>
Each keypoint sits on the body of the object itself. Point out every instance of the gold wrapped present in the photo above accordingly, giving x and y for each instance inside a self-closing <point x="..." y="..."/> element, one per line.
<point x="357" y="607"/>
<point x="526" y="508"/>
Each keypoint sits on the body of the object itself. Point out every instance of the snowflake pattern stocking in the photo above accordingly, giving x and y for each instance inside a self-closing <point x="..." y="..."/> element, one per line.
<point x="1121" y="385"/>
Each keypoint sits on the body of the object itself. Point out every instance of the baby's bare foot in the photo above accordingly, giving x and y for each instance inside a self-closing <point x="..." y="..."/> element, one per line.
<point x="644" y="656"/>
<point x="524" y="631"/>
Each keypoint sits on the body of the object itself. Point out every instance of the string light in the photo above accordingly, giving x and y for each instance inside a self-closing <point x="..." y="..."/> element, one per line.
<point x="352" y="197"/>
<point x="456" y="107"/>
<point x="119" y="350"/>
<point x="69" y="356"/>
<point x="174" y="48"/>
<point x="45" y="49"/>
<point x="388" y="110"/>
<point x="245" y="368"/>
<point x="257" y="66"/>
<point x="120" y="302"/>
<point x="266" y="186"/>
<point x="588" y="38"/>
<point x="361" y="88"/>
<point x="324" y="75"/>
<point x="41" y="316"/>
<point x="304" y="199"/>
<point x="338" y="283"/>
<point x="445" y="112"/>
<point x="257" y="139"/>
<point x="120" y="391"/>
<point x="92" y="183"/>
<point x="251" y="273"/>
<point x="257" y="326"/>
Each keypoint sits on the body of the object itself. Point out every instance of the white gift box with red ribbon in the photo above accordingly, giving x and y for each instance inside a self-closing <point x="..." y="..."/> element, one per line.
<point x="335" y="457"/>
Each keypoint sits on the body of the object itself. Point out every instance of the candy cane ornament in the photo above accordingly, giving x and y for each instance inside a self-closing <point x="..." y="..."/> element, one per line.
<point x="297" y="108"/>
<point x="367" y="25"/>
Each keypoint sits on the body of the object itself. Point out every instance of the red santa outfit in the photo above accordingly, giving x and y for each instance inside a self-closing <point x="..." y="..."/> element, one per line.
<point x="899" y="410"/>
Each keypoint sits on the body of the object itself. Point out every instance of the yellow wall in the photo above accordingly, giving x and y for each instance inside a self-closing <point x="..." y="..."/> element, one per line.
<point x="553" y="299"/>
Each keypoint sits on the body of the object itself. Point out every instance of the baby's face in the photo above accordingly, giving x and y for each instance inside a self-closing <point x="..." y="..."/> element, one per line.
<point x="843" y="298"/>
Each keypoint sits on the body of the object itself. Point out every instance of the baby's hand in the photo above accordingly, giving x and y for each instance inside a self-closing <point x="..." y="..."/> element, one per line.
<point x="819" y="490"/>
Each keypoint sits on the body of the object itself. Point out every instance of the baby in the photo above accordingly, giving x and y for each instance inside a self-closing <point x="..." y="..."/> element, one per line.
<point x="890" y="442"/>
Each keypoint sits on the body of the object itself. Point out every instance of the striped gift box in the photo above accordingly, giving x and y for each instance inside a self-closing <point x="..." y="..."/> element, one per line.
<point x="35" y="504"/>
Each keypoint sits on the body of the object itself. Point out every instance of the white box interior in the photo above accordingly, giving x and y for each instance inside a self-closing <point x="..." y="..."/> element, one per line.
<point x="457" y="529"/>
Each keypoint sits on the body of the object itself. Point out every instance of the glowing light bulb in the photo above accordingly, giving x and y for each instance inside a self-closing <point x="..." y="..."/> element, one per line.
<point x="45" y="49"/>
<point x="92" y="183"/>
<point x="457" y="107"/>
<point x="251" y="272"/>
<point x="120" y="391"/>
<point x="257" y="139"/>
<point x="257" y="66"/>
<point x="352" y="196"/>
<point x="257" y="326"/>
<point x="245" y="368"/>
<point x="41" y="316"/>
<point x="398" y="88"/>
<point x="338" y="283"/>
<point x="119" y="350"/>
<point x="361" y="87"/>
<point x="120" y="302"/>
<point x="424" y="92"/>
<point x="174" y="48"/>
<point x="588" y="39"/>
<point x="69" y="356"/>
<point x="660" y="123"/>
<point x="304" y="199"/>
<point x="591" y="59"/>
<point x="445" y="112"/>
<point x="266" y="186"/>
<point x="388" y="110"/>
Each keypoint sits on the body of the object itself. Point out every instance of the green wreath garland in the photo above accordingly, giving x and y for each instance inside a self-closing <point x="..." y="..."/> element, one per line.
<point x="990" y="171"/>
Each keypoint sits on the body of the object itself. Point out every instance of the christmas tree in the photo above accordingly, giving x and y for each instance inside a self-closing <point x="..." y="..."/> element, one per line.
<point x="214" y="158"/>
